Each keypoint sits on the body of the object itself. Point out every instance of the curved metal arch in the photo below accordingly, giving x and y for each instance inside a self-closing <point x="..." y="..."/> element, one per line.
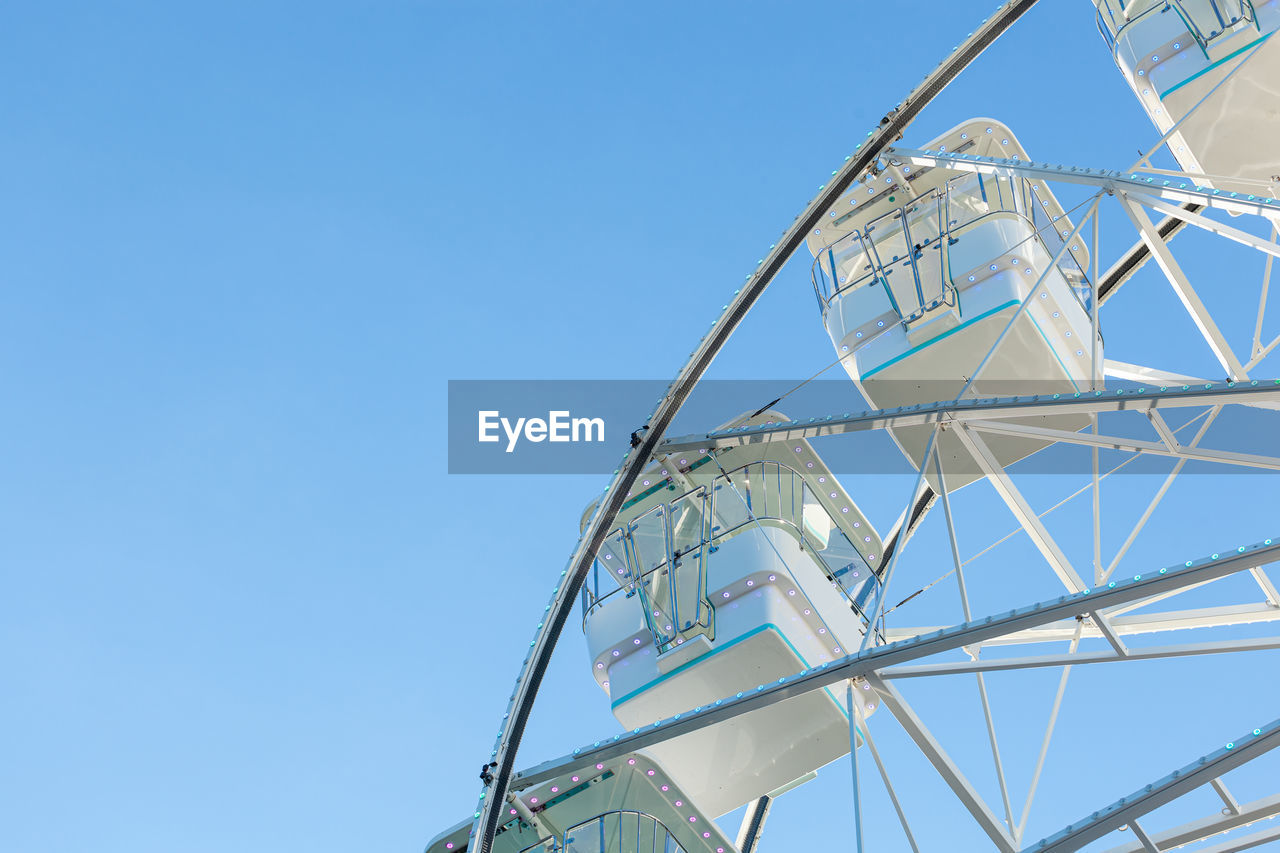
<point x="489" y="810"/>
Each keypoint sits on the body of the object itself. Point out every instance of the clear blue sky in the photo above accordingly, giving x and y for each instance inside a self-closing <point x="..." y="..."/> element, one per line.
<point x="244" y="607"/>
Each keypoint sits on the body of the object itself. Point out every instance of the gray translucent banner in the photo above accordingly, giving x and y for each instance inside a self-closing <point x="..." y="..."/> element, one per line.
<point x="500" y="426"/>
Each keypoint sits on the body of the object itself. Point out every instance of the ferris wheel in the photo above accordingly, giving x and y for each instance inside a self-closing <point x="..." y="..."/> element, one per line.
<point x="748" y="622"/>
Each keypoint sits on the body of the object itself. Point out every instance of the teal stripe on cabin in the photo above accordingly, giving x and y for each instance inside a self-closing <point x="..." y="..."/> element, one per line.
<point x="1203" y="71"/>
<point x="684" y="666"/>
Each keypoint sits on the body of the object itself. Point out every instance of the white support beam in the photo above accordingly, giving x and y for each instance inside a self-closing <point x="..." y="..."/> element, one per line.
<point x="1143" y="839"/>
<point x="1150" y="375"/>
<point x="1021" y="510"/>
<point x="1162" y="429"/>
<point x="882" y="591"/>
<point x="928" y="670"/>
<point x="888" y="785"/>
<point x="1227" y="800"/>
<point x="1213" y="226"/>
<point x="1258" y="351"/>
<point x="1141" y="523"/>
<point x="1154" y="376"/>
<point x="1155" y="599"/>
<point x="969" y="797"/>
<point x="1096" y="482"/>
<point x="1178" y="191"/>
<point x="974" y="632"/>
<point x="1267" y="587"/>
<point x="1131" y="445"/>
<point x="1048" y="733"/>
<point x="968" y="616"/>
<point x="1139" y="623"/>
<point x="1262" y="353"/>
<point x="1207" y="827"/>
<point x="1173" y="395"/>
<point x="1165" y="790"/>
<point x="1182" y="287"/>
<point x="1109" y="633"/>
<point x="1244" y="842"/>
<point x="1125" y="267"/>
<point x="854" y="717"/>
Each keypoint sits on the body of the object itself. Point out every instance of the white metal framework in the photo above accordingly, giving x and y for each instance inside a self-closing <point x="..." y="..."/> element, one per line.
<point x="1086" y="599"/>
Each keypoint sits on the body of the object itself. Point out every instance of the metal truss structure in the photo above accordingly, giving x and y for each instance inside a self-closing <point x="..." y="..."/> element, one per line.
<point x="1108" y="606"/>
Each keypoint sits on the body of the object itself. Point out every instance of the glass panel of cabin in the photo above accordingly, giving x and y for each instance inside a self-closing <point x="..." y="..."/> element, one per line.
<point x="688" y="521"/>
<point x="647" y="548"/>
<point x="889" y="252"/>
<point x="611" y="564"/>
<point x="731" y="503"/>
<point x="620" y="832"/>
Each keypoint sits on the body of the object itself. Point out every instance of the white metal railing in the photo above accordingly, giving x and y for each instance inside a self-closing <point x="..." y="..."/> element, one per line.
<point x="901" y="242"/>
<point x="1205" y="20"/>
<point x="662" y="555"/>
<point x="916" y="241"/>
<point x="619" y="831"/>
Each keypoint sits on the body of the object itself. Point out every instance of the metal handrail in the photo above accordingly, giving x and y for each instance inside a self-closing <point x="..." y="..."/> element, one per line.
<point x="593" y="601"/>
<point x="669" y="843"/>
<point x="946" y="230"/>
<point x="870" y="250"/>
<point x="1111" y="33"/>
<point x="637" y="581"/>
